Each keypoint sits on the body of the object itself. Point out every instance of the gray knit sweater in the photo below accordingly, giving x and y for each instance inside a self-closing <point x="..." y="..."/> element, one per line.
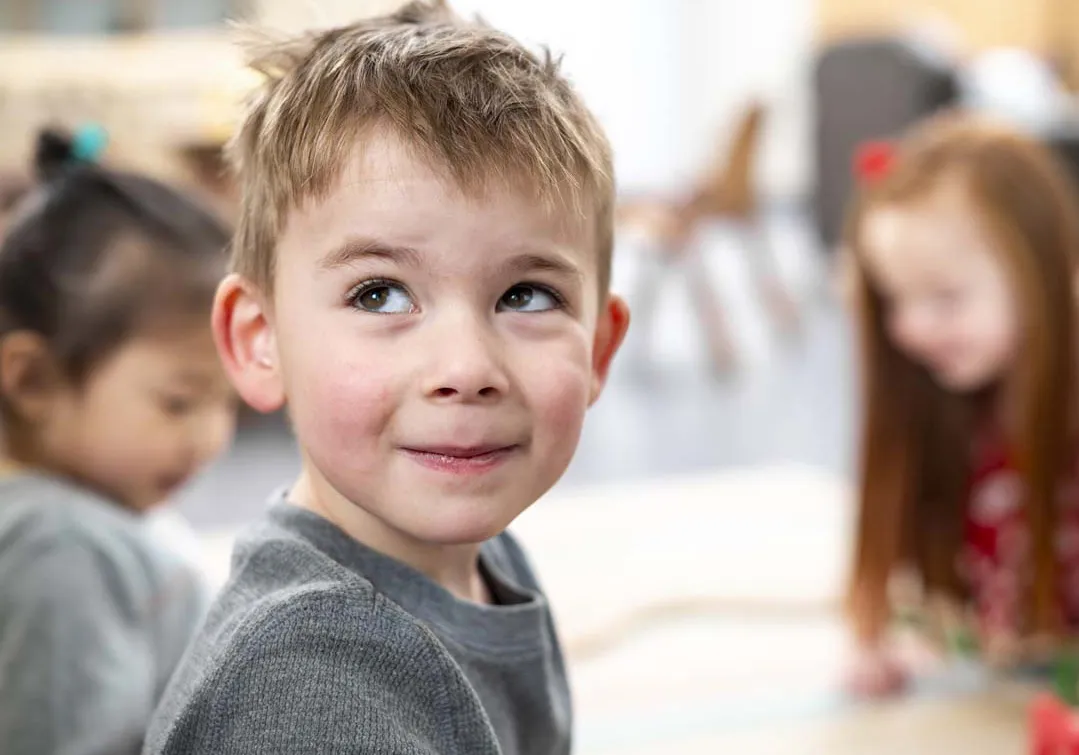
<point x="320" y="645"/>
<point x="94" y="617"/>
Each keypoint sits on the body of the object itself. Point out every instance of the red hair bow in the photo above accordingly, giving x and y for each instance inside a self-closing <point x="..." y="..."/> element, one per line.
<point x="874" y="161"/>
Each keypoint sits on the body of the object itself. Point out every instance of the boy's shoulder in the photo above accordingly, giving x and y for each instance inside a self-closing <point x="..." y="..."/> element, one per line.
<point x="303" y="650"/>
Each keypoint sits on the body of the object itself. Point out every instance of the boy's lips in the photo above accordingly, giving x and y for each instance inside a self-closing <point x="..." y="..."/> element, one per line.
<point x="461" y="459"/>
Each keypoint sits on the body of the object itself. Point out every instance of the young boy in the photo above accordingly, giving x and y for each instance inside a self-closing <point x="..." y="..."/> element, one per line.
<point x="422" y="269"/>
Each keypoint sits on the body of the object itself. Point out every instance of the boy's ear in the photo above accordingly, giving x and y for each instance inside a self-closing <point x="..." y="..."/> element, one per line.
<point x="610" y="331"/>
<point x="246" y="343"/>
<point x="29" y="375"/>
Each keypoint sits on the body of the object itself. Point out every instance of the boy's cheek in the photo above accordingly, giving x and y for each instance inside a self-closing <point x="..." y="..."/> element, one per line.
<point x="558" y="394"/>
<point x="350" y="397"/>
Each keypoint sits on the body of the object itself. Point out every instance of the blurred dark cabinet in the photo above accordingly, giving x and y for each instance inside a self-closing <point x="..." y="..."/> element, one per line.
<point x="867" y="89"/>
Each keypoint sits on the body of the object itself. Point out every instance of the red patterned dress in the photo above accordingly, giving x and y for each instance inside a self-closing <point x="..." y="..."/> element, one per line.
<point x="996" y="543"/>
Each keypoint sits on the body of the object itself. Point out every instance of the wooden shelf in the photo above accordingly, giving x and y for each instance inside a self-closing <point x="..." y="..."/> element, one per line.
<point x="983" y="24"/>
<point x="151" y="92"/>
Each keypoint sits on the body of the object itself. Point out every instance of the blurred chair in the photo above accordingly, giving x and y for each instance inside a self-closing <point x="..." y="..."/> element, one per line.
<point x="725" y="192"/>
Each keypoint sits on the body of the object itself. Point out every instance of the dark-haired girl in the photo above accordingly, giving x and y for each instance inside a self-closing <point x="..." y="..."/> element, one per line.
<point x="111" y="397"/>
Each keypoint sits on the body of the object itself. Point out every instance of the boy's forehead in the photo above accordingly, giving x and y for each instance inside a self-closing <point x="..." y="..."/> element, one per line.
<point x="386" y="186"/>
<point x="386" y="163"/>
<point x="382" y="157"/>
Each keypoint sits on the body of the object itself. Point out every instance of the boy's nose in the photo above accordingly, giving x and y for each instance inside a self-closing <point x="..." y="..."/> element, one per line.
<point x="466" y="364"/>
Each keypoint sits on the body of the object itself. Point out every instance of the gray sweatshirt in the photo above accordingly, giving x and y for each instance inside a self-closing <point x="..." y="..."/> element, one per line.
<point x="94" y="617"/>
<point x="319" y="644"/>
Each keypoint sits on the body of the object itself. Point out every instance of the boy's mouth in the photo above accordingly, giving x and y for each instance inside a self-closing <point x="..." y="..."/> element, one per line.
<point x="460" y="459"/>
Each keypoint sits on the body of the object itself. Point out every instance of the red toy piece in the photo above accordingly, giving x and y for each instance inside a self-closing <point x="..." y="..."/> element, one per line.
<point x="1054" y="727"/>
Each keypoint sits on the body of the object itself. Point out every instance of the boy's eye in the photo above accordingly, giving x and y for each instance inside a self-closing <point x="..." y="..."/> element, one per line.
<point x="383" y="297"/>
<point x="526" y="297"/>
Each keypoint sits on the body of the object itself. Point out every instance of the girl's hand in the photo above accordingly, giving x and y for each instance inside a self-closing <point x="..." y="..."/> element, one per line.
<point x="874" y="673"/>
<point x="1002" y="649"/>
<point x="1007" y="649"/>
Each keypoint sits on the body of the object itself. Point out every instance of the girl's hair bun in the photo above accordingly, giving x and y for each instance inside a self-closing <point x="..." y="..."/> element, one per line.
<point x="57" y="151"/>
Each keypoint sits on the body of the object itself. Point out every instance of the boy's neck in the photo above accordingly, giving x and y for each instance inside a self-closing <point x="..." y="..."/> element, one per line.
<point x="454" y="567"/>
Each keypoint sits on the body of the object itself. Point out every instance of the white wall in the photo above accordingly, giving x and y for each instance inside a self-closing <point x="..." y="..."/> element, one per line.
<point x="666" y="77"/>
<point x="740" y="49"/>
<point x="625" y="59"/>
<point x="670" y="81"/>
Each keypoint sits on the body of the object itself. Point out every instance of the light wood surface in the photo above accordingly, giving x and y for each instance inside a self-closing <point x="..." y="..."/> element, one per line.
<point x="983" y="23"/>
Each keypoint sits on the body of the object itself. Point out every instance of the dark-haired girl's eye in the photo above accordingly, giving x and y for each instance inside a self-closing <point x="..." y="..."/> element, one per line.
<point x="177" y="405"/>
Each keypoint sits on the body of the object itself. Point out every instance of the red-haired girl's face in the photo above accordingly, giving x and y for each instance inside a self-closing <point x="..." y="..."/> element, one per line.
<point x="948" y="302"/>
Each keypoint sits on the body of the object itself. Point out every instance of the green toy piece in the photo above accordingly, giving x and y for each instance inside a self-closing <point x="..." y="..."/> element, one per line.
<point x="1066" y="678"/>
<point x="964" y="642"/>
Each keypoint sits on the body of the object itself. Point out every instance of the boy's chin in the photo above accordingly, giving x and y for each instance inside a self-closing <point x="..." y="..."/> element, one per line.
<point x="460" y="527"/>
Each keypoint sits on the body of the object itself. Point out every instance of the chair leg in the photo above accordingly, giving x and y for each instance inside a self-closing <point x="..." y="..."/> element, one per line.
<point x="764" y="268"/>
<point x="710" y="313"/>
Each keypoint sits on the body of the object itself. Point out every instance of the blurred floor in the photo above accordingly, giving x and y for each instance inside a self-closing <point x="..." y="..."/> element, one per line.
<point x="987" y="723"/>
<point x="791" y="401"/>
<point x="739" y="573"/>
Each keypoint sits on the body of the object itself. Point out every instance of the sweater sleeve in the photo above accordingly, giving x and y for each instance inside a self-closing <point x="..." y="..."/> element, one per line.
<point x="76" y="670"/>
<point x="327" y="673"/>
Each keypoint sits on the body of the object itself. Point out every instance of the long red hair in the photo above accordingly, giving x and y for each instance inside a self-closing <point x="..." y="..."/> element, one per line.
<point x="916" y="436"/>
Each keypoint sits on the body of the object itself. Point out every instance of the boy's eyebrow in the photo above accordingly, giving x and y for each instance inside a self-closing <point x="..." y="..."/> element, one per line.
<point x="529" y="262"/>
<point x="354" y="249"/>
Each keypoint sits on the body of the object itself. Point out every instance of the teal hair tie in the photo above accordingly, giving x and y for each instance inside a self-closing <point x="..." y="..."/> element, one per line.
<point x="89" y="142"/>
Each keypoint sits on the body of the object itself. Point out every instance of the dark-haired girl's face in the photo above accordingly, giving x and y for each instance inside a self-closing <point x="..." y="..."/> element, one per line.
<point x="147" y="419"/>
<point x="5" y="221"/>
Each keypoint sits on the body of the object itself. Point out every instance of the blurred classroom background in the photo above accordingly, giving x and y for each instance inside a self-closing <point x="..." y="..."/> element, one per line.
<point x="716" y="469"/>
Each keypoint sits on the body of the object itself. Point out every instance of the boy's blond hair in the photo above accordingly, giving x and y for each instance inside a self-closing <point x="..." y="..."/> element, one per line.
<point x="472" y="101"/>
